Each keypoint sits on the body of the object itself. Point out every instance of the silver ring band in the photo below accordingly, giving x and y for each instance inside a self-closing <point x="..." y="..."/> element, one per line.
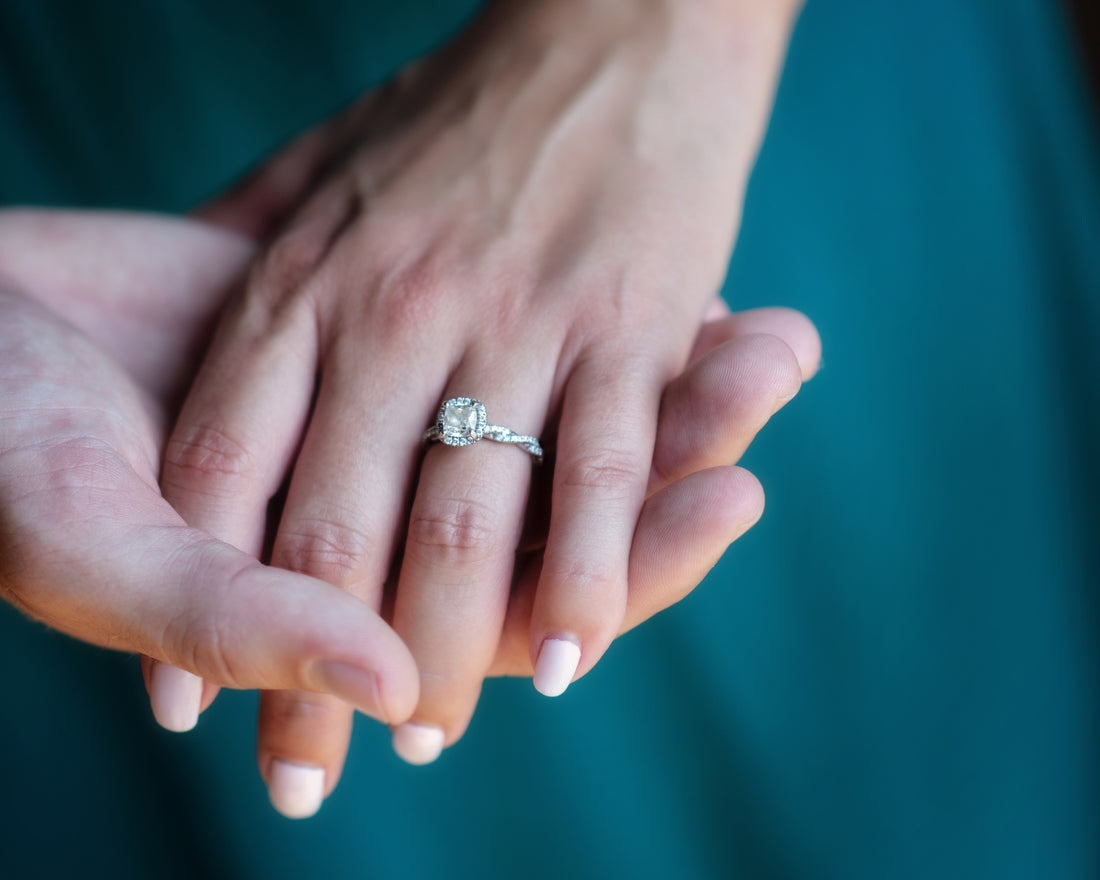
<point x="462" y="422"/>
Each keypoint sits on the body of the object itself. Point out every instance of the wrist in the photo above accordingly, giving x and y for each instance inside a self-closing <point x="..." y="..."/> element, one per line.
<point x="742" y="41"/>
<point x="587" y="16"/>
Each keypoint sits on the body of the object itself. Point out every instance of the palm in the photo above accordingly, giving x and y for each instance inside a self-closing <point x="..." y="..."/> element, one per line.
<point x="101" y="319"/>
<point x="85" y="397"/>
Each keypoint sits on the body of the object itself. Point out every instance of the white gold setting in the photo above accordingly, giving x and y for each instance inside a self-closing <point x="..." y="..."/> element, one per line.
<point x="462" y="422"/>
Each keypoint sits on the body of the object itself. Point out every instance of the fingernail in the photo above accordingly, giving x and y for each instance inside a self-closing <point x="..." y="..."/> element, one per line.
<point x="417" y="743"/>
<point x="176" y="697"/>
<point x="351" y="684"/>
<point x="556" y="666"/>
<point x="296" y="790"/>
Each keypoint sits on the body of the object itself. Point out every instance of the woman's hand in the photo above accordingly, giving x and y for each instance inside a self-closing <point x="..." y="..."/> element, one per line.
<point x="101" y="317"/>
<point x="537" y="217"/>
<point x="116" y="567"/>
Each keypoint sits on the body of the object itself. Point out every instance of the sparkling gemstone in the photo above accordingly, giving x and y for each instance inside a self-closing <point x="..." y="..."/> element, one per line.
<point x="462" y="421"/>
<point x="460" y="418"/>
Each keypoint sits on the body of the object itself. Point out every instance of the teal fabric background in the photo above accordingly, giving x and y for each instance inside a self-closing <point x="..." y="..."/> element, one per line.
<point x="894" y="675"/>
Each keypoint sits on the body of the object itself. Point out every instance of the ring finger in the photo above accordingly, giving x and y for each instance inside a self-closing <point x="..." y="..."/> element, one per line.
<point x="456" y="574"/>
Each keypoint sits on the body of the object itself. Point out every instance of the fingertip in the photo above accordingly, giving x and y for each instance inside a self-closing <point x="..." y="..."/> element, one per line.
<point x="556" y="665"/>
<point x="417" y="743"/>
<point x="742" y="498"/>
<point x="247" y="625"/>
<point x="802" y="336"/>
<point x="176" y="697"/>
<point x="296" y="790"/>
<point x="386" y="695"/>
<point x="793" y="327"/>
<point x="396" y="674"/>
<point x="399" y="695"/>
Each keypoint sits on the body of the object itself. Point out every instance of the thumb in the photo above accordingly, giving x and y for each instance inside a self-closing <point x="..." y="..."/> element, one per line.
<point x="176" y="595"/>
<point x="225" y="618"/>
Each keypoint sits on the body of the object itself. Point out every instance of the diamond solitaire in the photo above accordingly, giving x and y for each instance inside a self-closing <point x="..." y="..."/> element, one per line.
<point x="462" y="422"/>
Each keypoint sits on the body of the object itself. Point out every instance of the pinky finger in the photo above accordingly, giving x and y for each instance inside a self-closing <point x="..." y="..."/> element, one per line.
<point x="682" y="532"/>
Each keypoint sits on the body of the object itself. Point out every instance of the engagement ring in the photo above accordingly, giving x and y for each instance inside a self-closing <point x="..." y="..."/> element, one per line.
<point x="462" y="422"/>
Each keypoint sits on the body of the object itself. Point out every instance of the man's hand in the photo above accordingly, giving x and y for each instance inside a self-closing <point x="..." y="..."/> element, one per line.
<point x="101" y="317"/>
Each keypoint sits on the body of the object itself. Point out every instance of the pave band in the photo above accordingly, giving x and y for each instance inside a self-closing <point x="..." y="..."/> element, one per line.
<point x="462" y="422"/>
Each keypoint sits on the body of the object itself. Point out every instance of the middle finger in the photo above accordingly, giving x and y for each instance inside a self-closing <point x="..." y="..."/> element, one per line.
<point x="347" y="493"/>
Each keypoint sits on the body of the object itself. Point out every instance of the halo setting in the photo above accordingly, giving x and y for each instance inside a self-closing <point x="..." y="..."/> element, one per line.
<point x="461" y="421"/>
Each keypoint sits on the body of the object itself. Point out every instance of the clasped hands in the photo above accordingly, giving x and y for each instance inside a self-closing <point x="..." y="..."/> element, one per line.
<point x="543" y="232"/>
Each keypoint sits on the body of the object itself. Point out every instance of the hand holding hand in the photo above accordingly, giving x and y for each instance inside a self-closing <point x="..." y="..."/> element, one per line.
<point x="537" y="217"/>
<point x="138" y="293"/>
<point x="89" y="546"/>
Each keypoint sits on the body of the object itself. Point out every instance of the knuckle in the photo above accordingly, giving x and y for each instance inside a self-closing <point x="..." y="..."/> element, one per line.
<point x="290" y="260"/>
<point x="207" y="459"/>
<point x="453" y="530"/>
<point x="624" y="303"/>
<point x="202" y="636"/>
<point x="410" y="301"/>
<point x="214" y="631"/>
<point x="325" y="549"/>
<point x="588" y="577"/>
<point x="608" y="471"/>
<point x="202" y="643"/>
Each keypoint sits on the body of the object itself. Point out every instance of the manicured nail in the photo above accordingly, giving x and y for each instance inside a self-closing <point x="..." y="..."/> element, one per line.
<point x="351" y="684"/>
<point x="176" y="697"/>
<point x="556" y="666"/>
<point x="296" y="790"/>
<point x="417" y="743"/>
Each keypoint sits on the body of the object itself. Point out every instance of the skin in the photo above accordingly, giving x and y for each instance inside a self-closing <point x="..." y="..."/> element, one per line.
<point x="588" y="200"/>
<point x="101" y="317"/>
<point x="539" y="216"/>
<point x="92" y="548"/>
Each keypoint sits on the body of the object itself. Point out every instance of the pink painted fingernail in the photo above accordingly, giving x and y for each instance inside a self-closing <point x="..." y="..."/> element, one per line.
<point x="351" y="684"/>
<point x="417" y="743"/>
<point x="556" y="666"/>
<point x="176" y="697"/>
<point x="296" y="790"/>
